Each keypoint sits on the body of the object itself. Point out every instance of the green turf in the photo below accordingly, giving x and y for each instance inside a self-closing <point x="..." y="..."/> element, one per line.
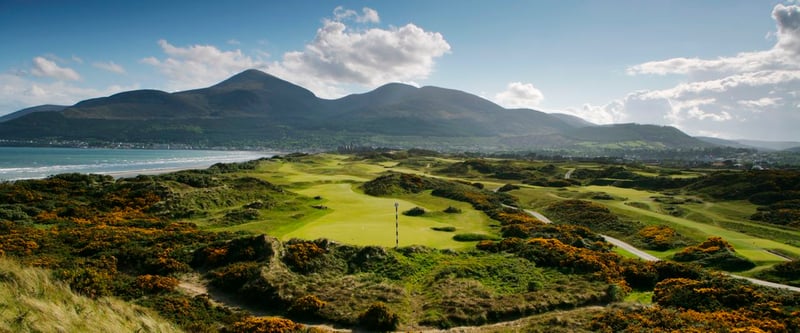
<point x="360" y="219"/>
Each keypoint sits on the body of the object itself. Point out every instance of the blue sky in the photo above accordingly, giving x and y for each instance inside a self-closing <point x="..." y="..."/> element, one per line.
<point x="728" y="68"/>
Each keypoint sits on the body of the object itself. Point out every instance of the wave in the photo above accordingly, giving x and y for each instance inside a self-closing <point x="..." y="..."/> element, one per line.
<point x="125" y="165"/>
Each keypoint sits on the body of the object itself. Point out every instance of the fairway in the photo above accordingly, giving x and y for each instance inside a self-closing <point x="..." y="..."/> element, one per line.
<point x="356" y="218"/>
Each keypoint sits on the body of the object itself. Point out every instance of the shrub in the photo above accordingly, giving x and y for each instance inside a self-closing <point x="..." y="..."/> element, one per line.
<point x="300" y="255"/>
<point x="446" y="229"/>
<point x="416" y="211"/>
<point x="452" y="210"/>
<point x="265" y="325"/>
<point x="657" y="237"/>
<point x="233" y="276"/>
<point x="714" y="252"/>
<point x="508" y="187"/>
<point x="473" y="237"/>
<point x="379" y="318"/>
<point x="307" y="307"/>
<point x="155" y="284"/>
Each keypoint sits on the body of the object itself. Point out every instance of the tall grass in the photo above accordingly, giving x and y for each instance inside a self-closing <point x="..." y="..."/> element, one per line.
<point x="32" y="301"/>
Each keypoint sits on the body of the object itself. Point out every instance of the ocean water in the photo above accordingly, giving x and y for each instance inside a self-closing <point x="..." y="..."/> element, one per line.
<point x="27" y="163"/>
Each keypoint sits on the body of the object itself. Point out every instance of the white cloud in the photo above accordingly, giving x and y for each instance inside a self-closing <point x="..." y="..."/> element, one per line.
<point x="757" y="105"/>
<point x="333" y="62"/>
<point x="110" y="66"/>
<point x="519" y="95"/>
<point x="234" y="42"/>
<point x="338" y="56"/>
<point x="77" y="59"/>
<point x="748" y="95"/>
<point x="18" y="92"/>
<point x="44" y="67"/>
<point x="368" y="15"/>
<point x="611" y="113"/>
<point x="198" y="66"/>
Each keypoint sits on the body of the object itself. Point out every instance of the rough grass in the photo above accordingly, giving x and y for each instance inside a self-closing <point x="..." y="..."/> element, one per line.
<point x="31" y="301"/>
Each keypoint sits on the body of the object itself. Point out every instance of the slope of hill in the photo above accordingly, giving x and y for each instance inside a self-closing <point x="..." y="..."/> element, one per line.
<point x="723" y="142"/>
<point x="40" y="108"/>
<point x="573" y="120"/>
<point x="255" y="108"/>
<point x="669" y="137"/>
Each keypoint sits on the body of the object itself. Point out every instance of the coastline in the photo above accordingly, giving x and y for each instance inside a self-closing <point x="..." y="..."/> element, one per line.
<point x="150" y="172"/>
<point x="38" y="163"/>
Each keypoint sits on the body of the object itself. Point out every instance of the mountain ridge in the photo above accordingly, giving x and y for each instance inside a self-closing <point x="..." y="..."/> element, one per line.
<point x="253" y="107"/>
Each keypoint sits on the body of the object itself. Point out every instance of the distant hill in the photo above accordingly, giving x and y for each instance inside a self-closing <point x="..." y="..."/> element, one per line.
<point x="253" y="108"/>
<point x="770" y="145"/>
<point x="573" y="120"/>
<point x="40" y="108"/>
<point x="724" y="142"/>
<point x="752" y="144"/>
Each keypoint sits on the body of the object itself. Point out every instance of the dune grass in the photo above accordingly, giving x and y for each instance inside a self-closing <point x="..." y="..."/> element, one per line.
<point x="31" y="301"/>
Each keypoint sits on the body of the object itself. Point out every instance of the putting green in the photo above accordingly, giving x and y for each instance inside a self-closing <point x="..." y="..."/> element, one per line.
<point x="360" y="219"/>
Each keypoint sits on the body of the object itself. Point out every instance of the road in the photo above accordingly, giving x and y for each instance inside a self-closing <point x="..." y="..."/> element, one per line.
<point x="568" y="175"/>
<point x="649" y="257"/>
<point x="630" y="248"/>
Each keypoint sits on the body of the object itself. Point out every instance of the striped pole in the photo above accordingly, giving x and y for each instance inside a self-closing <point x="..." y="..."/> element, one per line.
<point x="396" y="227"/>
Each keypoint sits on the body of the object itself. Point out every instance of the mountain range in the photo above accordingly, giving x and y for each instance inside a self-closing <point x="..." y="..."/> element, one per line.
<point x="253" y="108"/>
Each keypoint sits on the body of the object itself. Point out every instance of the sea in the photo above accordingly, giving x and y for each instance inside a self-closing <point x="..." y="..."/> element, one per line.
<point x="18" y="163"/>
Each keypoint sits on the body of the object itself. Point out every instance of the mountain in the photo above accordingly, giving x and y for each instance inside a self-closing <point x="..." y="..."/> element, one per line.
<point x="40" y="108"/>
<point x="253" y="108"/>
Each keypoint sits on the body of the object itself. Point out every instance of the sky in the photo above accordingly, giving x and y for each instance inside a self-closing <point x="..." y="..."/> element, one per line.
<point x="720" y="68"/>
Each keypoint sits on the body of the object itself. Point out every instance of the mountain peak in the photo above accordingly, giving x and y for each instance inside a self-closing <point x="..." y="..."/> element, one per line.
<point x="247" y="77"/>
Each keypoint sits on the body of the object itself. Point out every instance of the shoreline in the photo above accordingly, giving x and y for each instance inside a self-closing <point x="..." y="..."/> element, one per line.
<point x="35" y="163"/>
<point x="150" y="172"/>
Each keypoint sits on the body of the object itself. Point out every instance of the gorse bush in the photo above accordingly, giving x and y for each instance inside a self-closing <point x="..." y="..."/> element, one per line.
<point x="379" y="318"/>
<point x="265" y="325"/>
<point x="416" y="211"/>
<point x="714" y="252"/>
<point x="155" y="284"/>
<point x="308" y="307"/>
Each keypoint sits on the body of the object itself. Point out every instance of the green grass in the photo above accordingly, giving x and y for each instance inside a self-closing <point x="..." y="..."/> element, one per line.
<point x="31" y="301"/>
<point x="642" y="297"/>
<point x="356" y="218"/>
<point x="351" y="216"/>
